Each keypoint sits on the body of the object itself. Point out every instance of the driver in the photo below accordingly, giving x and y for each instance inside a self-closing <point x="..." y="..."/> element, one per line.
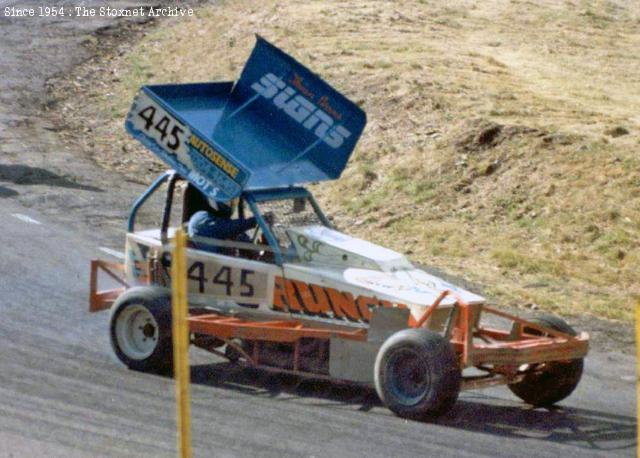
<point x="218" y="224"/>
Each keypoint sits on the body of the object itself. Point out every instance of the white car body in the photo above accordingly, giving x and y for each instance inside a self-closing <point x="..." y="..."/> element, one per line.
<point x="329" y="262"/>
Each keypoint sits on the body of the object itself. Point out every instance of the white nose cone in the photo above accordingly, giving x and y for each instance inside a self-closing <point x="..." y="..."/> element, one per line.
<point x="321" y="245"/>
<point x="409" y="286"/>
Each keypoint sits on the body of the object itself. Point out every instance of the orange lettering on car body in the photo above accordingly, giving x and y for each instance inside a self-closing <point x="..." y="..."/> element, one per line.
<point x="311" y="302"/>
<point x="315" y="298"/>
<point x="279" y="295"/>
<point x="343" y="304"/>
<point x="292" y="300"/>
<point x="364" y="305"/>
<point x="300" y="297"/>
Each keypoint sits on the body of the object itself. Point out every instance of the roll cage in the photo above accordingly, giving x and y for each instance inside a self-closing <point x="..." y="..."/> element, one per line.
<point x="250" y="199"/>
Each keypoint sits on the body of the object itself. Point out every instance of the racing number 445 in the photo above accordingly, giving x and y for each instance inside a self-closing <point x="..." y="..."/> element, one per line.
<point x="166" y="130"/>
<point x="222" y="280"/>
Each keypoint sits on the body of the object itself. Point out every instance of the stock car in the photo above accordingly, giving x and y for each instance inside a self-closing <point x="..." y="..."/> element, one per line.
<point x="296" y="295"/>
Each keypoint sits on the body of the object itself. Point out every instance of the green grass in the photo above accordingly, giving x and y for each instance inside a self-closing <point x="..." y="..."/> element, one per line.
<point x="514" y="259"/>
<point x="562" y="209"/>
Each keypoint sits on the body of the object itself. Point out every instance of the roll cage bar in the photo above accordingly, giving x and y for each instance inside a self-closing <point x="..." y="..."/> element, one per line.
<point x="251" y="198"/>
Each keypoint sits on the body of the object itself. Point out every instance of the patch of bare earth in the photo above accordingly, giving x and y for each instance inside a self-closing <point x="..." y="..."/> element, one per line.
<point x="503" y="136"/>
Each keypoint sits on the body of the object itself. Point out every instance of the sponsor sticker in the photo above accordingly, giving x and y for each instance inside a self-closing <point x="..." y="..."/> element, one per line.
<point x="184" y="150"/>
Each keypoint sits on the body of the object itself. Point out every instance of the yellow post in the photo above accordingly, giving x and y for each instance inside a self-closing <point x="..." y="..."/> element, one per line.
<point x="638" y="375"/>
<point x="181" y="343"/>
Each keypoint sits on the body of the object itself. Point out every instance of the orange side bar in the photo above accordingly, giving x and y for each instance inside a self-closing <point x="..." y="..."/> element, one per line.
<point x="501" y="347"/>
<point x="535" y="351"/>
<point x="102" y="300"/>
<point x="273" y="331"/>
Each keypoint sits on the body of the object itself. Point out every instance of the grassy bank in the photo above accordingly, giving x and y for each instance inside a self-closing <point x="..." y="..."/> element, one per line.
<point x="503" y="142"/>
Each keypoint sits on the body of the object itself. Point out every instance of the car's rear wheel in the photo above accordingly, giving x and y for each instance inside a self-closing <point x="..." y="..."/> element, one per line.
<point x="417" y="374"/>
<point x="141" y="329"/>
<point x="544" y="384"/>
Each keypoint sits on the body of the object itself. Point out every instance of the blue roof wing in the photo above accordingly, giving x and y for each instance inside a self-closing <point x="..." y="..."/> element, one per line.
<point x="278" y="125"/>
<point x="297" y="127"/>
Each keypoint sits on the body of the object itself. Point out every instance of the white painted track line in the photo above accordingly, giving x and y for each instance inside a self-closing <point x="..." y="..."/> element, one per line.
<point x="25" y="218"/>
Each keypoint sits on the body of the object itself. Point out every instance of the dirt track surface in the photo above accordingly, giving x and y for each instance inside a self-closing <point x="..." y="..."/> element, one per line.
<point x="62" y="393"/>
<point x="36" y="169"/>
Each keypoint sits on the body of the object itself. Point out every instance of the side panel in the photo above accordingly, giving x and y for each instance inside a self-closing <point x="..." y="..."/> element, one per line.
<point x="320" y="296"/>
<point x="232" y="282"/>
<point x="212" y="279"/>
<point x="226" y="278"/>
<point x="329" y="295"/>
<point x="352" y="360"/>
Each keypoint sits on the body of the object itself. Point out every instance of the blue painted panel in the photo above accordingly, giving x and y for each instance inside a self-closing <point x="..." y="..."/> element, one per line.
<point x="293" y="125"/>
<point x="200" y="105"/>
<point x="279" y="125"/>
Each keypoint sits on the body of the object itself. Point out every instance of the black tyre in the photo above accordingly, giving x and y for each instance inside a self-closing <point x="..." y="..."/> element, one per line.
<point x="141" y="329"/>
<point x="544" y="384"/>
<point x="234" y="355"/>
<point x="417" y="374"/>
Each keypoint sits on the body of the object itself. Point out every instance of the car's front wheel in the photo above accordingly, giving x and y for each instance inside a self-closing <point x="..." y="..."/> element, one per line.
<point x="141" y="329"/>
<point x="417" y="374"/>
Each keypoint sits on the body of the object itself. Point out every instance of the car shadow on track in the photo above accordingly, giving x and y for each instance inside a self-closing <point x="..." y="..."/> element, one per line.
<point x="7" y="192"/>
<point x="27" y="175"/>
<point x="289" y="387"/>
<point x="583" y="428"/>
<point x="475" y="411"/>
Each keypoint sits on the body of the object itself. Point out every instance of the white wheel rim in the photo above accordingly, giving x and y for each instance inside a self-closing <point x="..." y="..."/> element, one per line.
<point x="136" y="332"/>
